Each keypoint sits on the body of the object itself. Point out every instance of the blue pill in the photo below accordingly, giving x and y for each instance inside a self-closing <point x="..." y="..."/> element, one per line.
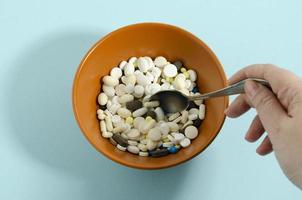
<point x="173" y="149"/>
<point x="195" y="89"/>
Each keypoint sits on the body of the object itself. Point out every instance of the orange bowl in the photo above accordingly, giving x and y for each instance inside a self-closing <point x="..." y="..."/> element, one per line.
<point x="148" y="39"/>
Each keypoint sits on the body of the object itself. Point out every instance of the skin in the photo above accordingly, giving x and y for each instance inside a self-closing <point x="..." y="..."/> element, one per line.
<point x="279" y="115"/>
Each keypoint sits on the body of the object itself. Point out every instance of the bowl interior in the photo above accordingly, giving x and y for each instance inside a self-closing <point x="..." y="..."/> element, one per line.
<point x="150" y="39"/>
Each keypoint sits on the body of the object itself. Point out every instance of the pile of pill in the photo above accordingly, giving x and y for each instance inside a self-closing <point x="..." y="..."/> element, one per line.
<point x="137" y="125"/>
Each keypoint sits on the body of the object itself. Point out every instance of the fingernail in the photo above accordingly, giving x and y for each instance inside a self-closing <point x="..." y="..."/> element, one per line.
<point x="251" y="89"/>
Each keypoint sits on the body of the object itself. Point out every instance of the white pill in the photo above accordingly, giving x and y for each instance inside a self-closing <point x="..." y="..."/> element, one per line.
<point x="126" y="98"/>
<point x="101" y="116"/>
<point x="202" y="111"/>
<point x="179" y="82"/>
<point x="113" y="108"/>
<point x="185" y="142"/>
<point x="116" y="72"/>
<point x="124" y="112"/>
<point x="99" y="111"/>
<point x="121" y="148"/>
<point x="148" y="89"/>
<point x="164" y="128"/>
<point x="137" y="122"/>
<point x="147" y="126"/>
<point x="151" y="145"/>
<point x="143" y="153"/>
<point x="191" y="132"/>
<point x="143" y="64"/>
<point x="170" y="70"/>
<point x="142" y="147"/>
<point x="110" y="81"/>
<point x="103" y="126"/>
<point x="160" y="61"/>
<point x="178" y="119"/>
<point x="120" y="89"/>
<point x="120" y="128"/>
<point x="188" y="84"/>
<point x="159" y="114"/>
<point x="140" y="112"/>
<point x="149" y="76"/>
<point x="185" y="91"/>
<point x="178" y="136"/>
<point x="133" y="134"/>
<point x="131" y="79"/>
<point x="193" y="117"/>
<point x="142" y="79"/>
<point x="114" y="100"/>
<point x="155" y="71"/>
<point x="173" y="116"/>
<point x="109" y="103"/>
<point x="198" y="102"/>
<point x="146" y="98"/>
<point x="150" y="61"/>
<point x="128" y="69"/>
<point x="122" y="64"/>
<point x="132" y="142"/>
<point x="129" y="89"/>
<point x="154" y="134"/>
<point x="171" y="138"/>
<point x="133" y="149"/>
<point x="108" y="90"/>
<point x="102" y="99"/>
<point x="151" y="104"/>
<point x="165" y="86"/>
<point x="184" y="116"/>
<point x="193" y="111"/>
<point x="124" y="135"/>
<point x="155" y="87"/>
<point x="107" y="134"/>
<point x="132" y="60"/>
<point x="173" y="126"/>
<point x="138" y="91"/>
<point x="192" y="74"/>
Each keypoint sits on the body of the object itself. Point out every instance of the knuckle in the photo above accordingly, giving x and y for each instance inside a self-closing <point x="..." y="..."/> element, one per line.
<point x="262" y="99"/>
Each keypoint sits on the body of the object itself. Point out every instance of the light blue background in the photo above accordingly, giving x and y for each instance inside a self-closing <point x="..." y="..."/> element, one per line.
<point x="43" y="154"/>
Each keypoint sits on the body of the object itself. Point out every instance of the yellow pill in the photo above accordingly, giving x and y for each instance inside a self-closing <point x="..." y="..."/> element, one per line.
<point x="129" y="120"/>
<point x="135" y="64"/>
<point x="183" y="69"/>
<point x="148" y="118"/>
<point x="166" y="140"/>
<point x="187" y="75"/>
<point x="177" y="146"/>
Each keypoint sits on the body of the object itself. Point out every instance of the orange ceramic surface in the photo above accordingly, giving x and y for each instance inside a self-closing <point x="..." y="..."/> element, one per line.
<point x="151" y="39"/>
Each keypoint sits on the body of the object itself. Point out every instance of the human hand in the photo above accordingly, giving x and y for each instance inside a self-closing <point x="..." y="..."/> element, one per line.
<point x="278" y="114"/>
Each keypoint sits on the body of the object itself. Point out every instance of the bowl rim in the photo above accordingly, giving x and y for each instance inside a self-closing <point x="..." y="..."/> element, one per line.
<point x="99" y="42"/>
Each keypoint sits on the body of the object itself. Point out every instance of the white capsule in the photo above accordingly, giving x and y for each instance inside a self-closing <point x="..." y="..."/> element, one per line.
<point x="159" y="114"/>
<point x="171" y="138"/>
<point x="132" y="60"/>
<point x="110" y="81"/>
<point x="143" y="153"/>
<point x="137" y="122"/>
<point x="165" y="86"/>
<point x="120" y="89"/>
<point x="107" y="134"/>
<point x="184" y="116"/>
<point x="193" y="111"/>
<point x="173" y="126"/>
<point x="168" y="144"/>
<point x="124" y="112"/>
<point x="154" y="134"/>
<point x="185" y="142"/>
<point x="202" y="111"/>
<point x="108" y="90"/>
<point x="101" y="116"/>
<point x="143" y="64"/>
<point x="193" y="75"/>
<point x="120" y="128"/>
<point x="138" y="91"/>
<point x="151" y="104"/>
<point x="102" y="99"/>
<point x="128" y="69"/>
<point x="188" y="123"/>
<point x="185" y="91"/>
<point x="173" y="116"/>
<point x="151" y="145"/>
<point x="142" y="80"/>
<point x="188" y="84"/>
<point x="108" y="123"/>
<point x="122" y="64"/>
<point x="198" y="102"/>
<point x="155" y="87"/>
<point x="121" y="147"/>
<point x="116" y="119"/>
<point x="116" y="72"/>
<point x="164" y="128"/>
<point x="193" y="117"/>
<point x="149" y="76"/>
<point x="160" y="61"/>
<point x="103" y="126"/>
<point x="191" y="132"/>
<point x="170" y="70"/>
<point x="150" y="62"/>
<point x="140" y="112"/>
<point x="126" y="98"/>
<point x="178" y="119"/>
<point x="113" y="108"/>
<point x="147" y="126"/>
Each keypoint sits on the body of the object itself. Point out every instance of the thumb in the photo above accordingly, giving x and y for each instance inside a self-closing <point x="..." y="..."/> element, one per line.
<point x="269" y="109"/>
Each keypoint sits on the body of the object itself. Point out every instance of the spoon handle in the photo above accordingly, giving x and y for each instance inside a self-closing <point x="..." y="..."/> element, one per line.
<point x="236" y="88"/>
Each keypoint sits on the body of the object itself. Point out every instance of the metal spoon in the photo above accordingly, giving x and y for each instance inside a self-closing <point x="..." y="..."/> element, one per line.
<point x="172" y="101"/>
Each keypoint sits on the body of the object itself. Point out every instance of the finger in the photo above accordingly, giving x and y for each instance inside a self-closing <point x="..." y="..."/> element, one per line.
<point x="255" y="131"/>
<point x="277" y="77"/>
<point x="238" y="107"/>
<point x="265" y="147"/>
<point x="270" y="111"/>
